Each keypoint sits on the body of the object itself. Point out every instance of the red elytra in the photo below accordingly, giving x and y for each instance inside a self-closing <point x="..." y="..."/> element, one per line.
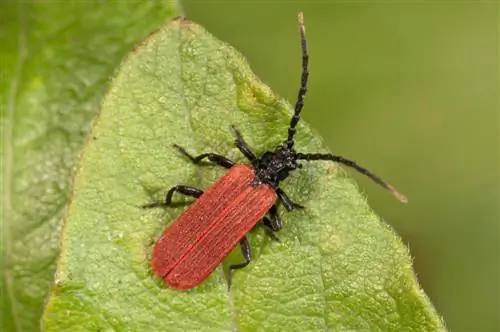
<point x="198" y="241"/>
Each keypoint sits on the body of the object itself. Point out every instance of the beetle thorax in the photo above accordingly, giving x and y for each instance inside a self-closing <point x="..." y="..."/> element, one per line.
<point x="275" y="166"/>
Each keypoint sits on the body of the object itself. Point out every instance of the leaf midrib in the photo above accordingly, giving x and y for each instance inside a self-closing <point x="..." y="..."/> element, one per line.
<point x="8" y="153"/>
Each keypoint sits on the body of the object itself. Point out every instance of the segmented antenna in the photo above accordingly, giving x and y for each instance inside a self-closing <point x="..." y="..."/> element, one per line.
<point x="303" y="83"/>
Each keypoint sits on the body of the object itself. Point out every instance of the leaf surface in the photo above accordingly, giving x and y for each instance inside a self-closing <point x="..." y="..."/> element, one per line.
<point x="337" y="267"/>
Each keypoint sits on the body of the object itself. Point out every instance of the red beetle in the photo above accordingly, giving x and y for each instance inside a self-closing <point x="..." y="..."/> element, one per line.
<point x="197" y="242"/>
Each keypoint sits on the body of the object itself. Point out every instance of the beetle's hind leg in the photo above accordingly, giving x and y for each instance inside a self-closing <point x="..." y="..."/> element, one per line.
<point x="185" y="190"/>
<point x="213" y="157"/>
<point x="246" y="251"/>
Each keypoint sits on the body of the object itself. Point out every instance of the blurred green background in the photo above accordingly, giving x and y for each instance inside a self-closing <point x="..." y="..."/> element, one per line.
<point x="410" y="90"/>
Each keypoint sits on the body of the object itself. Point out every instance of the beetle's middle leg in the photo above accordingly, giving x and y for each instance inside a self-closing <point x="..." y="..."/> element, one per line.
<point x="185" y="190"/>
<point x="273" y="224"/>
<point x="287" y="202"/>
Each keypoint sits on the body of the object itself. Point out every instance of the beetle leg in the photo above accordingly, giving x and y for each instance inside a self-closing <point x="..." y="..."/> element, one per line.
<point x="243" y="146"/>
<point x="269" y="229"/>
<point x="185" y="190"/>
<point x="246" y="251"/>
<point x="213" y="157"/>
<point x="287" y="202"/>
<point x="276" y="223"/>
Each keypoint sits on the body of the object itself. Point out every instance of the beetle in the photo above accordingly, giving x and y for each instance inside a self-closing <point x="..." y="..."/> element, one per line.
<point x="197" y="242"/>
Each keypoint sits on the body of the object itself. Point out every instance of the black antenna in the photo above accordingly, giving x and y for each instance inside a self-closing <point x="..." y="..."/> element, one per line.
<point x="303" y="83"/>
<point x="352" y="164"/>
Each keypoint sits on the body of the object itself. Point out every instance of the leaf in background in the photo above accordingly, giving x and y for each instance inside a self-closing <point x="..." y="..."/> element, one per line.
<point x="338" y="266"/>
<point x="57" y="59"/>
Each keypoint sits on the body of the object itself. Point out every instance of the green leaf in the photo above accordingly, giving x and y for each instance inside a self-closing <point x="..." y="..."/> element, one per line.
<point x="56" y="61"/>
<point x="338" y="266"/>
